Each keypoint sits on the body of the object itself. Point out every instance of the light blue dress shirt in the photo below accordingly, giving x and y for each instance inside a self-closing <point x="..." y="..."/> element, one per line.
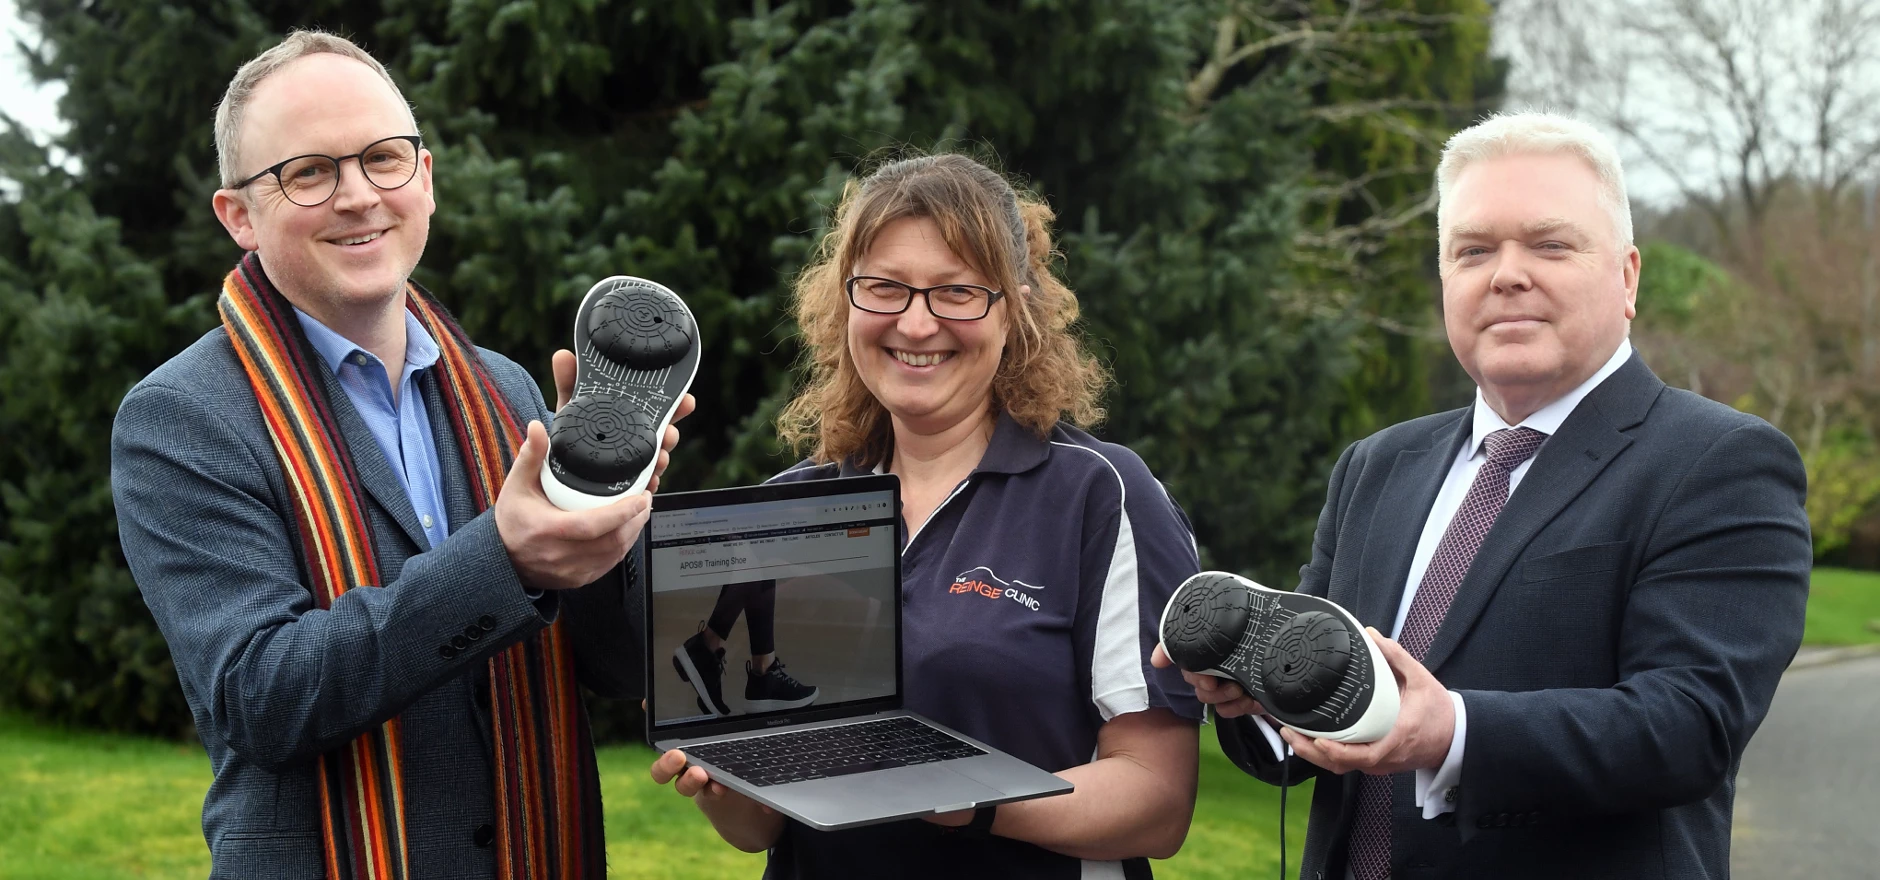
<point x="402" y="427"/>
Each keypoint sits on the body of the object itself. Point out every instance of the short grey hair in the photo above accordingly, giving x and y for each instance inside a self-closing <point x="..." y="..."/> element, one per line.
<point x="299" y="44"/>
<point x="1530" y="132"/>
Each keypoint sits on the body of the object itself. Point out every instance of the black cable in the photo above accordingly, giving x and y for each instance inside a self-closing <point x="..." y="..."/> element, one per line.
<point x="1285" y="764"/>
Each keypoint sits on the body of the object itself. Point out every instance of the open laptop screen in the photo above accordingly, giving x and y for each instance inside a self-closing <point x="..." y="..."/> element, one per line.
<point x="808" y="582"/>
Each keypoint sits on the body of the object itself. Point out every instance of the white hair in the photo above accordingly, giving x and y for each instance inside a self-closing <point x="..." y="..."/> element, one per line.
<point x="299" y="44"/>
<point x="1530" y="132"/>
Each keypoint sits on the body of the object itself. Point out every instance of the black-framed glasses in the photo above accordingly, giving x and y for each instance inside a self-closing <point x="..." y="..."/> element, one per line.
<point x="954" y="302"/>
<point x="308" y="181"/>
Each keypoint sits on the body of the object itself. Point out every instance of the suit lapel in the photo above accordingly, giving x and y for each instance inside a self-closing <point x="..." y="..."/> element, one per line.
<point x="454" y="477"/>
<point x="1415" y="477"/>
<point x="1567" y="463"/>
<point x="374" y="471"/>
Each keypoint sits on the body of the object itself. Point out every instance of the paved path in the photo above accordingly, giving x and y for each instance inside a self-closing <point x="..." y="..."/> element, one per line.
<point x="1808" y="794"/>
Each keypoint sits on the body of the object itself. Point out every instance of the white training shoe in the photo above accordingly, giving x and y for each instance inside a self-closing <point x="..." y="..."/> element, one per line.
<point x="636" y="351"/>
<point x="1305" y="660"/>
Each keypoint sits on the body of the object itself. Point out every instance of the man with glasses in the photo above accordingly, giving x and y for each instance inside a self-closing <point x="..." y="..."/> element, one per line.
<point x="331" y="506"/>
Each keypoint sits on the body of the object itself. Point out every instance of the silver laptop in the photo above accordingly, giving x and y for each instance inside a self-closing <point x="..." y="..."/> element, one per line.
<point x="799" y="584"/>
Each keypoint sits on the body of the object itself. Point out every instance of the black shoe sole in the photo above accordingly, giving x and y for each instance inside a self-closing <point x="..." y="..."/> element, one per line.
<point x="779" y="705"/>
<point x="1304" y="659"/>
<point x="636" y="352"/>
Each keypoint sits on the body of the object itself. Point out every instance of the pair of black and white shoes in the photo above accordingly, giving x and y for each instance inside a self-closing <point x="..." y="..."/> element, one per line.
<point x="772" y="690"/>
<point x="636" y="352"/>
<point x="1307" y="661"/>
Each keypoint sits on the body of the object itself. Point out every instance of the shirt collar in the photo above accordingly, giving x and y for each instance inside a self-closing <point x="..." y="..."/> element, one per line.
<point x="420" y="349"/>
<point x="1013" y="449"/>
<point x="1549" y="418"/>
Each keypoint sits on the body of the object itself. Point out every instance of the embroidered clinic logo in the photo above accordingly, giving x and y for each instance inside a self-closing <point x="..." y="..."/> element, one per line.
<point x="982" y="581"/>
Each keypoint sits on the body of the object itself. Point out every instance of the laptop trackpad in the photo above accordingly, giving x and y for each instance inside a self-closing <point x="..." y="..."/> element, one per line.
<point x="929" y="786"/>
<point x="888" y="792"/>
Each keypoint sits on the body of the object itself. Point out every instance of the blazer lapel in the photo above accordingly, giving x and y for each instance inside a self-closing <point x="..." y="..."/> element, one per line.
<point x="1567" y="463"/>
<point x="1397" y="523"/>
<point x="374" y="471"/>
<point x="459" y="509"/>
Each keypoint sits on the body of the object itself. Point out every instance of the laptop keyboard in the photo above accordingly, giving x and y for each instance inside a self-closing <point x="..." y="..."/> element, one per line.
<point x="822" y="752"/>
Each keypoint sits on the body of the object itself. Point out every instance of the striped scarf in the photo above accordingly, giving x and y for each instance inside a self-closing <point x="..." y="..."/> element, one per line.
<point x="547" y="790"/>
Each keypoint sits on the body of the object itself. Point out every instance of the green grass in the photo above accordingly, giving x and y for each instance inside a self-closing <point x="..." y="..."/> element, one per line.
<point x="1843" y="607"/>
<point x="78" y="805"/>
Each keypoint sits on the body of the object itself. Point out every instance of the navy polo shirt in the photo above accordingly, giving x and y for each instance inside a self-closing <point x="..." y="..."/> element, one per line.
<point x="1030" y="603"/>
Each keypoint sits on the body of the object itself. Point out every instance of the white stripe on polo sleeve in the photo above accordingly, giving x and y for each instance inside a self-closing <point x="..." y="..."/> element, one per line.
<point x="1117" y="686"/>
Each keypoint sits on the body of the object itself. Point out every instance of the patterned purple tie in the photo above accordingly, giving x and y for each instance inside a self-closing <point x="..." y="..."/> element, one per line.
<point x="1507" y="449"/>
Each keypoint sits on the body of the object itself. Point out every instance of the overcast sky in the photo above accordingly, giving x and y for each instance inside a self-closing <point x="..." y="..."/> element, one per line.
<point x="33" y="106"/>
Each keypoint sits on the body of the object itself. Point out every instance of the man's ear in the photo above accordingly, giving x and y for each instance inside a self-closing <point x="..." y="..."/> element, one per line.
<point x="1633" y="264"/>
<point x="237" y="216"/>
<point x="424" y="176"/>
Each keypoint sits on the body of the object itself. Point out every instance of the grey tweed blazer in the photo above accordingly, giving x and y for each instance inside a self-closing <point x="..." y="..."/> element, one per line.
<point x="205" y="521"/>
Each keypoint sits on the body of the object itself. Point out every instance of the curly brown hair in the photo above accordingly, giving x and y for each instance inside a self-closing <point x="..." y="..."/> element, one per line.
<point x="1045" y="373"/>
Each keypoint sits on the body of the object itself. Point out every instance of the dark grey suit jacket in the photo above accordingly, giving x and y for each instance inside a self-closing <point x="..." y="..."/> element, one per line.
<point x="206" y="524"/>
<point x="1617" y="640"/>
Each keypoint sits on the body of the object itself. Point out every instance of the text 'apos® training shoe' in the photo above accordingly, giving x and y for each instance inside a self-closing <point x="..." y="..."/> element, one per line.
<point x="636" y="350"/>
<point x="1306" y="661"/>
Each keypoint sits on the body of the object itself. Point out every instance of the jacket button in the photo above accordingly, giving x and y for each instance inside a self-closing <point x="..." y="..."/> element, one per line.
<point x="459" y="642"/>
<point x="486" y="623"/>
<point x="446" y="651"/>
<point x="1486" y="820"/>
<point x="484" y="836"/>
<point x="1501" y="821"/>
<point x="472" y="632"/>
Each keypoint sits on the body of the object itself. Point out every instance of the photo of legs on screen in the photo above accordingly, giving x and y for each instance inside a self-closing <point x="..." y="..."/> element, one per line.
<point x="819" y="630"/>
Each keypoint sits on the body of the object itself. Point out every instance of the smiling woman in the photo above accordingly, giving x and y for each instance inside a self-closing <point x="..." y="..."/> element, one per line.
<point x="940" y="348"/>
<point x="949" y="221"/>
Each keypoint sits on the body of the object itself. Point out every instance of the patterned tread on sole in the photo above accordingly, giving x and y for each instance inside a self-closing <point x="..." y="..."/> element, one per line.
<point x="636" y="353"/>
<point x="603" y="439"/>
<point x="1298" y="663"/>
<point x="1207" y="624"/>
<point x="1307" y="662"/>
<point x="642" y="333"/>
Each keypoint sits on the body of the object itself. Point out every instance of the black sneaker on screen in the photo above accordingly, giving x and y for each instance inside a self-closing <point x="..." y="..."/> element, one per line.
<point x="704" y="670"/>
<point x="774" y="689"/>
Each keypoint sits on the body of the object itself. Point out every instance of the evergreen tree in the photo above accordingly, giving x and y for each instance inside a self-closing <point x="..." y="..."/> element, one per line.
<point x="702" y="144"/>
<point x="82" y="318"/>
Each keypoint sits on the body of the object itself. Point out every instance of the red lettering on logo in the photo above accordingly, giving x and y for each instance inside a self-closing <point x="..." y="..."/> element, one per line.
<point x="981" y="587"/>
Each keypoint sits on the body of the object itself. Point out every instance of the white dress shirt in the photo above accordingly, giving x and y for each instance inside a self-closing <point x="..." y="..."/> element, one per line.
<point x="1435" y="788"/>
